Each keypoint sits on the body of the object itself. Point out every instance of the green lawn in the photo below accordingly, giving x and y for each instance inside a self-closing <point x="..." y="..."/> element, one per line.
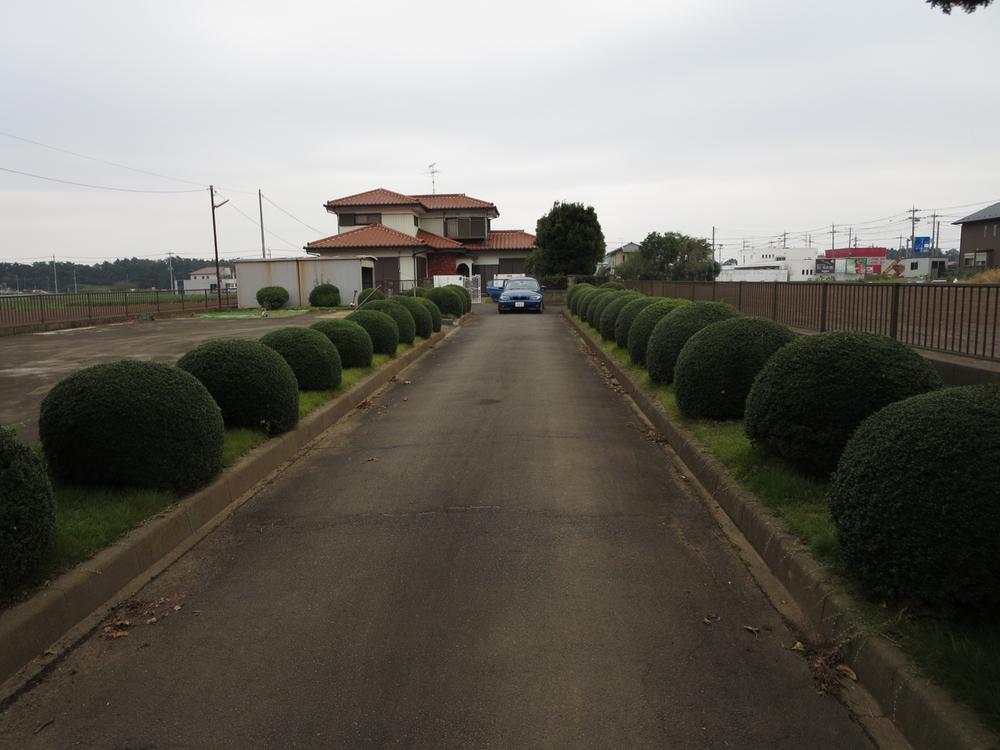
<point x="961" y="654"/>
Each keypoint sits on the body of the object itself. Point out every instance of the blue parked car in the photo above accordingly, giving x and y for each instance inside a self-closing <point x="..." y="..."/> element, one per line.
<point x="494" y="288"/>
<point x="523" y="294"/>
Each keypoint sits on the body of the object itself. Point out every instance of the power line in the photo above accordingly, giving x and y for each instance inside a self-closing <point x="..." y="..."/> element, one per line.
<point x="257" y="224"/>
<point x="314" y="229"/>
<point x="96" y="187"/>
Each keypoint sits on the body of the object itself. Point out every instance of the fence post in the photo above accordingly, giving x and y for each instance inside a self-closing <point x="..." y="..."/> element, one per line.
<point x="824" y="290"/>
<point x="713" y="290"/>
<point x="774" y="300"/>
<point x="126" y="302"/>
<point x="157" y="298"/>
<point x="739" y="296"/>
<point x="90" y="306"/>
<point x="41" y="305"/>
<point x="894" y="312"/>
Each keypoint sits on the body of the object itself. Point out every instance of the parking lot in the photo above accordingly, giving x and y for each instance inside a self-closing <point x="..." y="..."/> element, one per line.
<point x="30" y="364"/>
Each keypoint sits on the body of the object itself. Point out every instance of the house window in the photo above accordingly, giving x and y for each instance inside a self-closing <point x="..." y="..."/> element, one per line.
<point x="416" y="221"/>
<point x="914" y="265"/>
<point x="465" y="228"/>
<point x="359" y="220"/>
<point x="969" y="259"/>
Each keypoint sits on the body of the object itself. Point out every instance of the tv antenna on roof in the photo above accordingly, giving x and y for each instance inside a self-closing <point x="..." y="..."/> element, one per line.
<point x="433" y="171"/>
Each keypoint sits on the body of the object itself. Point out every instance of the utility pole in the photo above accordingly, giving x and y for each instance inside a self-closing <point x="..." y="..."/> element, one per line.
<point x="260" y="205"/>
<point x="913" y="226"/>
<point x="784" y="240"/>
<point x="170" y="265"/>
<point x="215" y="241"/>
<point x="55" y="277"/>
<point x="934" y="234"/>
<point x="833" y="236"/>
<point x="713" y="245"/>
<point x="76" y="289"/>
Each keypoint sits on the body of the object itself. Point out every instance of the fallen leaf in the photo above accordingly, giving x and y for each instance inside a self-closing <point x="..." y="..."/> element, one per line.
<point x="407" y="382"/>
<point x="798" y="646"/>
<point x="369" y="460"/>
<point x="709" y="619"/>
<point x="752" y="629"/>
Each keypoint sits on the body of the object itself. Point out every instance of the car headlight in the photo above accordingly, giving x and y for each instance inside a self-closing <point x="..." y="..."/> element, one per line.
<point x="504" y="298"/>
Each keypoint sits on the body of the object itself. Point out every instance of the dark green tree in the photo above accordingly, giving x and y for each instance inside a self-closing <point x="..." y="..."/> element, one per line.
<point x="967" y="5"/>
<point x="672" y="255"/>
<point x="569" y="240"/>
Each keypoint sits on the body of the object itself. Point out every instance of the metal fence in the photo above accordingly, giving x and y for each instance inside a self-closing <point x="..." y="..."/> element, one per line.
<point x="955" y="318"/>
<point x="32" y="310"/>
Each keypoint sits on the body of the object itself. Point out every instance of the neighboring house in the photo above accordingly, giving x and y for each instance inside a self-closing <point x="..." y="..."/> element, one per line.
<point x="615" y="257"/>
<point x="204" y="280"/>
<point x="981" y="238"/>
<point x="772" y="264"/>
<point x="411" y="238"/>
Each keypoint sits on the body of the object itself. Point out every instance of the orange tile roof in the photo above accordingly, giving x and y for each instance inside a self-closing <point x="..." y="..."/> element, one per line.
<point x="373" y="235"/>
<point x="376" y="197"/>
<point x="504" y="239"/>
<point x="441" y="201"/>
<point x="437" y="241"/>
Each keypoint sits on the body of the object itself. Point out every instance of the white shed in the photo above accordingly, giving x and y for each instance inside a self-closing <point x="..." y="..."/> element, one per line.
<point x="299" y="276"/>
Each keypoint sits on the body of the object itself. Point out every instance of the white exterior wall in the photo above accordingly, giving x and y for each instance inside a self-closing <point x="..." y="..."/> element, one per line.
<point x="299" y="276"/>
<point x="400" y="222"/>
<point x="432" y="224"/>
<point x="768" y="255"/>
<point x="406" y="270"/>
<point x="201" y="282"/>
<point x="752" y="274"/>
<point x="488" y="259"/>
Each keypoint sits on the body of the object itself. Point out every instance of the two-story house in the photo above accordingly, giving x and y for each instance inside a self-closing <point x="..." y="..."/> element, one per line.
<point x="413" y="237"/>
<point x="981" y="238"/>
<point x="204" y="279"/>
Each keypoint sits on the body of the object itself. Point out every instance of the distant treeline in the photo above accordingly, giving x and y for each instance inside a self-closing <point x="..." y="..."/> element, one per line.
<point x="124" y="273"/>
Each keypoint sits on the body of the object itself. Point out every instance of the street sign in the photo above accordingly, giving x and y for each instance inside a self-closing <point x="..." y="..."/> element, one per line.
<point x="921" y="244"/>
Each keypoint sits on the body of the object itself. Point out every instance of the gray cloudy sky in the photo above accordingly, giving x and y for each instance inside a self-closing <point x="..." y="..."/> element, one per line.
<point x="754" y="116"/>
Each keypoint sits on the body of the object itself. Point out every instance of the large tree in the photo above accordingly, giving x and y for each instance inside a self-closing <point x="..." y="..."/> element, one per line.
<point x="569" y="240"/>
<point x="671" y="255"/>
<point x="967" y="5"/>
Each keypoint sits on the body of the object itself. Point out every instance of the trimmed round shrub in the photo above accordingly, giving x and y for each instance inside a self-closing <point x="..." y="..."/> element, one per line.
<point x="381" y="328"/>
<point x="419" y="291"/>
<point x="598" y="305"/>
<point x="370" y="294"/>
<point x="353" y="343"/>
<point x="580" y="298"/>
<point x="421" y="317"/>
<point x="814" y="392"/>
<point x="27" y="511"/>
<point x="132" y="423"/>
<point x="645" y="322"/>
<point x="574" y="291"/>
<point x="449" y="301"/>
<point x="324" y="295"/>
<point x="718" y="365"/>
<point x="272" y="297"/>
<point x="590" y="300"/>
<point x="609" y="315"/>
<point x="434" y="311"/>
<point x="404" y="320"/>
<point x="464" y="294"/>
<point x="673" y="331"/>
<point x="914" y="499"/>
<point x="611" y="285"/>
<point x="311" y="355"/>
<point x="627" y="316"/>
<point x="251" y="383"/>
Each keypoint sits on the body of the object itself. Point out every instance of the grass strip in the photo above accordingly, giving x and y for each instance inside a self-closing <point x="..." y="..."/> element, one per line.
<point x="960" y="654"/>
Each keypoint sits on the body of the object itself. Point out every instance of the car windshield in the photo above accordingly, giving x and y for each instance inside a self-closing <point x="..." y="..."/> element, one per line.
<point x="521" y="284"/>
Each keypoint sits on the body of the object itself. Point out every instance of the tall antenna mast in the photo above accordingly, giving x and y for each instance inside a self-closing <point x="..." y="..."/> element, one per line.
<point x="433" y="171"/>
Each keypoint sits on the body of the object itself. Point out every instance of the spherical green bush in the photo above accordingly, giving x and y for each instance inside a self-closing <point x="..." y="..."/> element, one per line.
<point x="464" y="294"/>
<point x="370" y="294"/>
<point x="592" y="299"/>
<point x="611" y="285"/>
<point x="673" y="331"/>
<point x="718" y="364"/>
<point x="645" y="322"/>
<point x="132" y="423"/>
<point x="597" y="307"/>
<point x="449" y="301"/>
<point x="324" y="295"/>
<point x="272" y="297"/>
<point x="404" y="320"/>
<point x="353" y="343"/>
<point x="574" y="291"/>
<point x="814" y="392"/>
<point x="418" y="291"/>
<point x="609" y="315"/>
<point x="251" y="383"/>
<point x="381" y="328"/>
<point x="915" y="500"/>
<point x="27" y="511"/>
<point x="434" y="311"/>
<point x="577" y="307"/>
<point x="311" y="355"/>
<point x="627" y="316"/>
<point x="421" y="317"/>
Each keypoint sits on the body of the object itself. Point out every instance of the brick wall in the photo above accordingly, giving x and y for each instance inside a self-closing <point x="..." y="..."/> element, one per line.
<point x="441" y="265"/>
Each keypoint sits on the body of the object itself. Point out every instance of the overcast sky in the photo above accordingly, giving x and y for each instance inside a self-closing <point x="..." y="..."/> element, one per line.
<point x="755" y="117"/>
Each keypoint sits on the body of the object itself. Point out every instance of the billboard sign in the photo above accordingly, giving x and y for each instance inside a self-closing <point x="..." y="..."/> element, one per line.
<point x="921" y="244"/>
<point x="824" y="266"/>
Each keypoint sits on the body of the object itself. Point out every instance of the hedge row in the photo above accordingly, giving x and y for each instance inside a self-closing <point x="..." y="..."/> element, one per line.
<point x="914" y="467"/>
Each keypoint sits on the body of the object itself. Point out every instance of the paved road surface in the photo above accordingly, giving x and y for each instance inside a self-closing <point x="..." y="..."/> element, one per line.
<point x="490" y="557"/>
<point x="31" y="363"/>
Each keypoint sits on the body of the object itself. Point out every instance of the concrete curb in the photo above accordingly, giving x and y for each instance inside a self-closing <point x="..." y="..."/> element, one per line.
<point x="29" y="628"/>
<point x="926" y="715"/>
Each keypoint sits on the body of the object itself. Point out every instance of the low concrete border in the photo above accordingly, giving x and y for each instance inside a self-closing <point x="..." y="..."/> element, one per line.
<point x="926" y="715"/>
<point x="29" y="628"/>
